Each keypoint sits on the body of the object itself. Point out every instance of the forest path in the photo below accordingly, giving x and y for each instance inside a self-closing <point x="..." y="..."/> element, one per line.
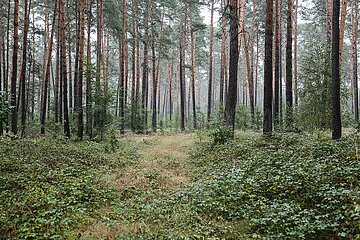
<point x="161" y="169"/>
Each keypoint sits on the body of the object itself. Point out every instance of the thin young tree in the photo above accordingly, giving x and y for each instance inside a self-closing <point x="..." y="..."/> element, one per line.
<point x="231" y="98"/>
<point x="210" y="93"/>
<point x="89" y="111"/>
<point x="354" y="39"/>
<point x="277" y="64"/>
<point x="336" y="106"/>
<point x="268" y="69"/>
<point x="223" y="51"/>
<point x="63" y="69"/>
<point x="27" y="7"/>
<point x="14" y="68"/>
<point x="145" y="77"/>
<point x="182" y="70"/>
<point x="192" y="61"/>
<point x="122" y="71"/>
<point x="153" y="70"/>
<point x="99" y="61"/>
<point x="47" y="73"/>
<point x="296" y="91"/>
<point x="80" y="120"/>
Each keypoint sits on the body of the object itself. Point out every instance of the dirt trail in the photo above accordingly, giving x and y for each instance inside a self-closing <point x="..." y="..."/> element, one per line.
<point x="161" y="167"/>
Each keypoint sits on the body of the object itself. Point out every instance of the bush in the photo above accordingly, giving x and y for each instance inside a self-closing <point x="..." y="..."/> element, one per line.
<point x="222" y="134"/>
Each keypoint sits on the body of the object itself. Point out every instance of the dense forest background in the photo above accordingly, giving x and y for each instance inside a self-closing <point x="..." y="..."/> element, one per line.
<point x="86" y="67"/>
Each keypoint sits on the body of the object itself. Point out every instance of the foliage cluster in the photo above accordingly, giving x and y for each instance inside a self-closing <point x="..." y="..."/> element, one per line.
<point x="49" y="186"/>
<point x="286" y="187"/>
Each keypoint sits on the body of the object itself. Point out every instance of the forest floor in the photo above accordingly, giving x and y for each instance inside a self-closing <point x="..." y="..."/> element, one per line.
<point x="181" y="186"/>
<point x="162" y="167"/>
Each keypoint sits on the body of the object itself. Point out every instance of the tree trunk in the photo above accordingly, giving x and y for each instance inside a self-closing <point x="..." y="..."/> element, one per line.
<point x="336" y="133"/>
<point x="289" y="86"/>
<point x="211" y="63"/>
<point x="192" y="60"/>
<point x="63" y="70"/>
<point x="231" y="98"/>
<point x="122" y="71"/>
<point x="89" y="112"/>
<point x="133" y="68"/>
<point x="145" y="68"/>
<point x="80" y="122"/>
<point x="27" y="7"/>
<point x="14" y="68"/>
<point x="355" y="34"/>
<point x="153" y="59"/>
<point x="277" y="63"/>
<point x="77" y="52"/>
<point x="223" y="53"/>
<point x="182" y="70"/>
<point x="268" y="65"/>
<point x="57" y="73"/>
<point x="296" y="92"/>
<point x="99" y="61"/>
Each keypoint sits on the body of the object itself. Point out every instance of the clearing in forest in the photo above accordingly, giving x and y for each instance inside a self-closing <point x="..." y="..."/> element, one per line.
<point x="144" y="188"/>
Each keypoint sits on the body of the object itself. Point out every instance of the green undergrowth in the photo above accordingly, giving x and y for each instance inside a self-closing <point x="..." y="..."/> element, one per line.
<point x="50" y="186"/>
<point x="289" y="186"/>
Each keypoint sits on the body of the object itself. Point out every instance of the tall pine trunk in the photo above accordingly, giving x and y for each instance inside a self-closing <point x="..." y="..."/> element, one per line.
<point x="210" y="101"/>
<point x="354" y="38"/>
<point x="27" y="6"/>
<point x="192" y="60"/>
<point x="182" y="70"/>
<point x="63" y="69"/>
<point x="268" y="68"/>
<point x="336" y="118"/>
<point x="89" y="112"/>
<point x="231" y="98"/>
<point x="289" y="76"/>
<point x="277" y="64"/>
<point x="80" y="122"/>
<point x="14" y="68"/>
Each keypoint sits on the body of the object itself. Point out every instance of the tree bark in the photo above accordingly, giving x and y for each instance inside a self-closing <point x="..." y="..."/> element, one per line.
<point x="289" y="76"/>
<point x="14" y="68"/>
<point x="80" y="122"/>
<point x="223" y="52"/>
<point x="336" y="131"/>
<point x="63" y="69"/>
<point x="98" y="120"/>
<point x="27" y="7"/>
<point x="89" y="112"/>
<point x="231" y="98"/>
<point x="182" y="70"/>
<point x="277" y="63"/>
<point x="296" y="92"/>
<point x="354" y="38"/>
<point x="210" y="101"/>
<point x="122" y="71"/>
<point x="145" y="76"/>
<point x="268" y="65"/>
